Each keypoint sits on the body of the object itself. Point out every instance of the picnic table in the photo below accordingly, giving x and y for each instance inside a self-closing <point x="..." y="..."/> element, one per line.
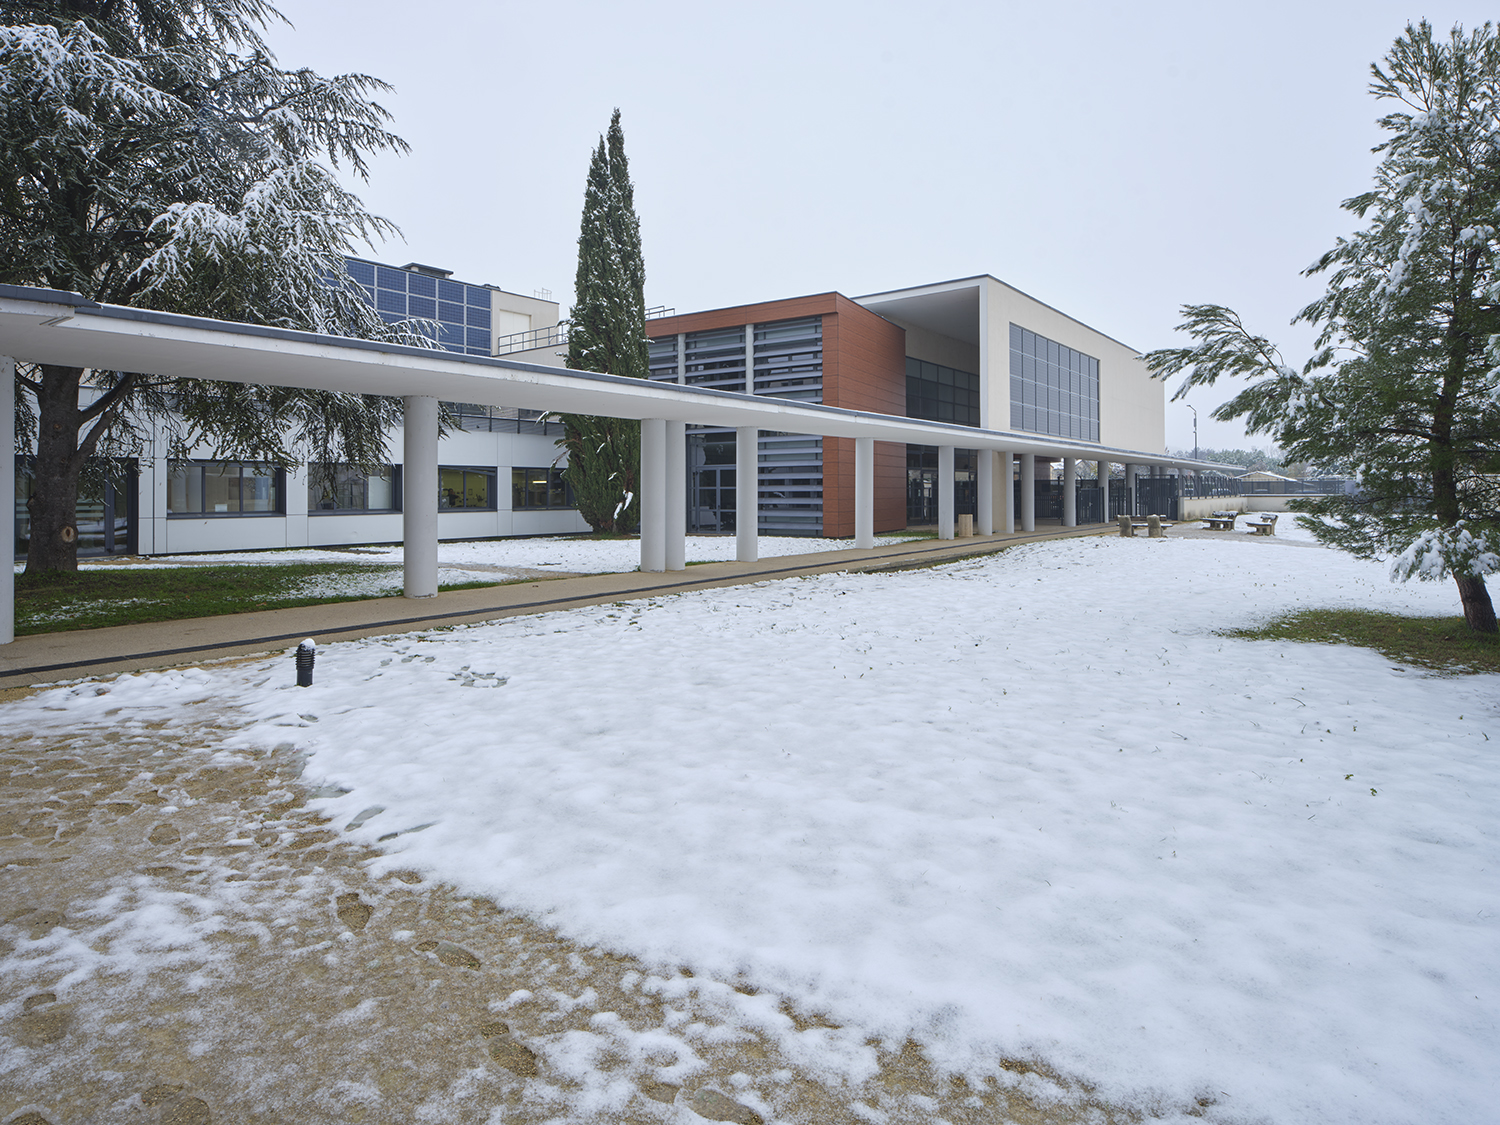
<point x="1221" y="521"/>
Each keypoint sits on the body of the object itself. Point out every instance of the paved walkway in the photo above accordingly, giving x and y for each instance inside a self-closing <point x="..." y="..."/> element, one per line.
<point x="48" y="657"/>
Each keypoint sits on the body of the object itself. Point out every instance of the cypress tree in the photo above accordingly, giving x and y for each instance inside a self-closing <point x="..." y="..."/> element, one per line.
<point x="607" y="333"/>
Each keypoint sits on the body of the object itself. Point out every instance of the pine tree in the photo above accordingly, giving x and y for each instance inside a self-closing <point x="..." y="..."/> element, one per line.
<point x="153" y="154"/>
<point x="1404" y="391"/>
<point x="607" y="333"/>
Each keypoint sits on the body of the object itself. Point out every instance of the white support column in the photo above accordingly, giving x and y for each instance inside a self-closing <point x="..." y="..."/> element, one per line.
<point x="1028" y="492"/>
<point x="8" y="491"/>
<point x="945" y="492"/>
<point x="653" y="495"/>
<point x="746" y="494"/>
<point x="419" y="500"/>
<point x="1070" y="492"/>
<point x="1130" y="475"/>
<point x="1103" y="471"/>
<point x="676" y="529"/>
<point x="1007" y="481"/>
<point x="864" y="493"/>
<point x="986" y="492"/>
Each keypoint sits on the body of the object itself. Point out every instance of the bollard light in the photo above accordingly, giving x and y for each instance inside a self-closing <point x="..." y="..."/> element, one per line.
<point x="307" y="652"/>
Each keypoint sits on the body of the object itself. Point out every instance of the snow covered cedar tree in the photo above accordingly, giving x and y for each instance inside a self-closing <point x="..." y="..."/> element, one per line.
<point x="153" y="154"/>
<point x="607" y="333"/>
<point x="1404" y="391"/>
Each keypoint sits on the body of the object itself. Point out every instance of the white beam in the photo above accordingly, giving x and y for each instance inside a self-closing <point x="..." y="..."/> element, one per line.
<point x="8" y="492"/>
<point x="653" y="494"/>
<point x="1028" y="492"/>
<point x="1070" y="492"/>
<point x="746" y="493"/>
<point x="986" y="492"/>
<point x="419" y="499"/>
<point x="864" y="493"/>
<point x="676" y="522"/>
<point x="945" y="492"/>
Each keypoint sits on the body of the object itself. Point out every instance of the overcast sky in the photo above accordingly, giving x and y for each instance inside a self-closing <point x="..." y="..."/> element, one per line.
<point x="1112" y="160"/>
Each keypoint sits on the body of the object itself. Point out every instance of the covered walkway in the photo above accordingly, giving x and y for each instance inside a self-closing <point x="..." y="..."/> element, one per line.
<point x="48" y="326"/>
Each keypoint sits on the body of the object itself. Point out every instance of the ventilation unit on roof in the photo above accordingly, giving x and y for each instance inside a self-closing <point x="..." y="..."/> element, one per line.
<point x="430" y="271"/>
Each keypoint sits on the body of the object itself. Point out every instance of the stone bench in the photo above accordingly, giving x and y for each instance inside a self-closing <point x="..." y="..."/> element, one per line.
<point x="1266" y="525"/>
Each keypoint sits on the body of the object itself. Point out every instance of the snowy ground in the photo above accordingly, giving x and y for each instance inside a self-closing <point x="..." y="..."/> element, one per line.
<point x="1027" y="806"/>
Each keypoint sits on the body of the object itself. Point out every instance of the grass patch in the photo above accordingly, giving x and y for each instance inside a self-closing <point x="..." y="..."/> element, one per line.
<point x="123" y="595"/>
<point x="1443" y="644"/>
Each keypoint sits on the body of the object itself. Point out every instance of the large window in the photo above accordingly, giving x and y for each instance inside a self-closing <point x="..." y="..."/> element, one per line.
<point x="1053" y="389"/>
<point x="343" y="488"/>
<point x="540" y="488"/>
<point x="224" y="488"/>
<point x="471" y="489"/>
<point x="941" y="394"/>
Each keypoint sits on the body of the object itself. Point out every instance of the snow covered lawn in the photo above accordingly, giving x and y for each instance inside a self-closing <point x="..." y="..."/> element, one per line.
<point x="566" y="554"/>
<point x="1029" y="805"/>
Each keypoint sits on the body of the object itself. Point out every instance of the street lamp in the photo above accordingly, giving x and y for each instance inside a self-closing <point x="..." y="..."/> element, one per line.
<point x="1194" y="409"/>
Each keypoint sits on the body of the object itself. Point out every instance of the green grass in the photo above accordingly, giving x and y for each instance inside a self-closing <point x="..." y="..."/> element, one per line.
<point x="126" y="595"/>
<point x="1443" y="644"/>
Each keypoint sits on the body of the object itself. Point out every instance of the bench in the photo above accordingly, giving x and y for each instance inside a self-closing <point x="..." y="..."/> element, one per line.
<point x="1218" y="522"/>
<point x="1153" y="525"/>
<point x="1266" y="525"/>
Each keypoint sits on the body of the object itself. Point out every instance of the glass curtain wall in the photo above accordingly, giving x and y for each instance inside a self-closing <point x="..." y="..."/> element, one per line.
<point x="1053" y="389"/>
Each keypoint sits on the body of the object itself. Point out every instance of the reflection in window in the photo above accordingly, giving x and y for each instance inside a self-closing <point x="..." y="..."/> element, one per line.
<point x="344" y="488"/>
<point x="540" y="488"/>
<point x="223" y="488"/>
<point x="466" y="489"/>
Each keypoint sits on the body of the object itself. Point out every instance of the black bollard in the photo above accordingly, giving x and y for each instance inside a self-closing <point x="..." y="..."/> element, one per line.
<point x="307" y="652"/>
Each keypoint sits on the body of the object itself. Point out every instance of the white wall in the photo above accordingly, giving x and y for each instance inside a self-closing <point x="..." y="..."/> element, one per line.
<point x="1132" y="405"/>
<point x="297" y="527"/>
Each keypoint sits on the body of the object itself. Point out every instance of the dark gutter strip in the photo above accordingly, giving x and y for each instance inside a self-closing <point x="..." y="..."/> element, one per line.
<point x="454" y="616"/>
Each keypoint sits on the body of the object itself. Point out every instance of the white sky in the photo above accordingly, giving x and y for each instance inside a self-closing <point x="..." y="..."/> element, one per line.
<point x="1113" y="160"/>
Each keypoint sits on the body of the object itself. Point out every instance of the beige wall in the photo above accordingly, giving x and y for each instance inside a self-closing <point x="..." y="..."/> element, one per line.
<point x="511" y="312"/>
<point x="923" y="343"/>
<point x="1132" y="405"/>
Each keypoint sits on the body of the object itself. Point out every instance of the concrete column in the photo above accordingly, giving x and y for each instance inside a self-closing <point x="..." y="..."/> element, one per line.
<point x="1070" y="492"/>
<point x="864" y="492"/>
<point x="985" y="523"/>
<point x="1028" y="492"/>
<point x="419" y="500"/>
<point x="945" y="492"/>
<point x="749" y="359"/>
<point x="7" y="494"/>
<point x="746" y="493"/>
<point x="682" y="357"/>
<point x="1129" y="473"/>
<point x="653" y="494"/>
<point x="676" y="529"/>
<point x="1103" y="471"/>
<point x="1006" y="474"/>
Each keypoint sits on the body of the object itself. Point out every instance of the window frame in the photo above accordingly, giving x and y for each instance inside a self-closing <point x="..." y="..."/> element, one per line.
<point x="393" y="509"/>
<point x="492" y="472"/>
<point x="277" y="476"/>
<point x="519" y="489"/>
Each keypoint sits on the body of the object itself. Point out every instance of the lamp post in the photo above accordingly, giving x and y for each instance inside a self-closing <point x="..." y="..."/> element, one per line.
<point x="1194" y="409"/>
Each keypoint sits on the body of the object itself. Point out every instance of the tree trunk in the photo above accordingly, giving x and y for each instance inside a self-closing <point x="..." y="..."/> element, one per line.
<point x="54" y="499"/>
<point x="1479" y="611"/>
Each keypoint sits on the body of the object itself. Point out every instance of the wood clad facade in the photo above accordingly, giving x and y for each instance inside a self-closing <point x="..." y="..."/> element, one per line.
<point x="864" y="368"/>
